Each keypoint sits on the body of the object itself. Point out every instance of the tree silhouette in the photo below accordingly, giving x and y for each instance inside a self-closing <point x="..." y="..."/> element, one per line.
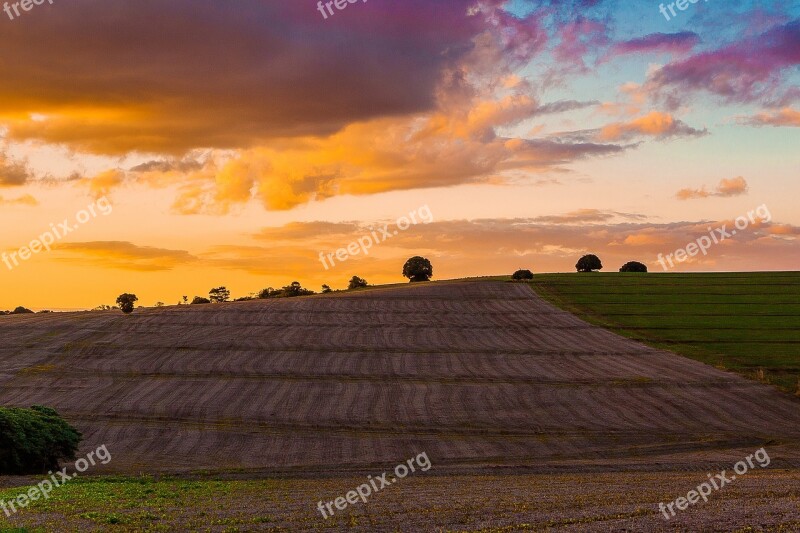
<point x="588" y="263"/>
<point x="522" y="275"/>
<point x="125" y="302"/>
<point x="293" y="289"/>
<point x="219" y="295"/>
<point x="356" y="283"/>
<point x="633" y="266"/>
<point x="418" y="269"/>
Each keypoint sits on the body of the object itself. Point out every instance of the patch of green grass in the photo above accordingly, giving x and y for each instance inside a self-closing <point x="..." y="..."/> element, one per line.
<point x="746" y="322"/>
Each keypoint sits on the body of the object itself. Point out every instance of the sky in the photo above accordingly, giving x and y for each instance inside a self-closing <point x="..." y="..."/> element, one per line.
<point x="165" y="148"/>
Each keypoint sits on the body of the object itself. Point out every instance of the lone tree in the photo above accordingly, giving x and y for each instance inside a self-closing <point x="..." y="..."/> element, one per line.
<point x="326" y="289"/>
<point x="219" y="295"/>
<point x="589" y="263"/>
<point x="520" y="275"/>
<point x="356" y="283"/>
<point x="125" y="302"/>
<point x="418" y="269"/>
<point x="633" y="266"/>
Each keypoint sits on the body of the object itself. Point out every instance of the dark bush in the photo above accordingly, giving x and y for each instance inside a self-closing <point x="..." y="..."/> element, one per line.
<point x="520" y="275"/>
<point x="295" y="289"/>
<point x="200" y="300"/>
<point x="633" y="266"/>
<point x="21" y="311"/>
<point x="418" y="269"/>
<point x="357" y="283"/>
<point x="269" y="292"/>
<point x="588" y="263"/>
<point x="33" y="441"/>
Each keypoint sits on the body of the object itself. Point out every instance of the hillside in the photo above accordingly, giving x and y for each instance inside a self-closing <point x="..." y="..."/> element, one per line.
<point x="747" y="322"/>
<point x="478" y="374"/>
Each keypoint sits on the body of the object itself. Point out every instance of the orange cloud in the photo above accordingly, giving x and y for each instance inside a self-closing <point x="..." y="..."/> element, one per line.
<point x="644" y="239"/>
<point x="25" y="199"/>
<point x="123" y="255"/>
<point x="784" y="117"/>
<point x="654" y="124"/>
<point x="724" y="189"/>
<point x="102" y="184"/>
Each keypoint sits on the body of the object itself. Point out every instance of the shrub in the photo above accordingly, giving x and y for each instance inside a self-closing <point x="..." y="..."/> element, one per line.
<point x="219" y="295"/>
<point x="200" y="300"/>
<point x="418" y="269"/>
<point x="21" y="311"/>
<point x="33" y="441"/>
<point x="356" y="283"/>
<point x="522" y="275"/>
<point x="125" y="302"/>
<point x="269" y="292"/>
<point x="295" y="289"/>
<point x="588" y="263"/>
<point x="326" y="289"/>
<point x="633" y="266"/>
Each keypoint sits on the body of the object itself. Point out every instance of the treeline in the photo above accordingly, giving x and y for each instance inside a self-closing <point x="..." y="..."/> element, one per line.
<point x="22" y="311"/>
<point x="294" y="289"/>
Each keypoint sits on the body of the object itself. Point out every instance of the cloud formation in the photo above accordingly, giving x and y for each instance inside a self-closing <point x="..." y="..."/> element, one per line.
<point x="724" y="189"/>
<point x="753" y="69"/>
<point x="13" y="173"/>
<point x="25" y="199"/>
<point x="676" y="43"/>
<point x="123" y="255"/>
<point x="783" y="117"/>
<point x="460" y="248"/>
<point x="655" y="124"/>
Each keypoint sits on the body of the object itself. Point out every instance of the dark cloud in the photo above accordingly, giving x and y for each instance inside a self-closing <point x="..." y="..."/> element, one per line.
<point x="171" y="76"/>
<point x="680" y="42"/>
<point x="13" y="173"/>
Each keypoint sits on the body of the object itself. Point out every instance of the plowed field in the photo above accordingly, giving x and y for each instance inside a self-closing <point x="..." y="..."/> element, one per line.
<point x="477" y="374"/>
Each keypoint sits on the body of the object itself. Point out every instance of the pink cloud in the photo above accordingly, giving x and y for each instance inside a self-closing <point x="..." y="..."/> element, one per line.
<point x="746" y="71"/>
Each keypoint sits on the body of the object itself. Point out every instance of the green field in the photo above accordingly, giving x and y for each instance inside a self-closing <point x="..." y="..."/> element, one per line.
<point x="610" y="501"/>
<point x="745" y="322"/>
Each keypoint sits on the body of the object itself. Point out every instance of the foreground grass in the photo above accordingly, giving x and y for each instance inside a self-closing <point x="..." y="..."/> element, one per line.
<point x="745" y="322"/>
<point x="763" y="500"/>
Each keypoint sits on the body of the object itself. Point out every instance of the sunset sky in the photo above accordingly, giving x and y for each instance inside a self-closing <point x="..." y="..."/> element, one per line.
<point x="235" y="141"/>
